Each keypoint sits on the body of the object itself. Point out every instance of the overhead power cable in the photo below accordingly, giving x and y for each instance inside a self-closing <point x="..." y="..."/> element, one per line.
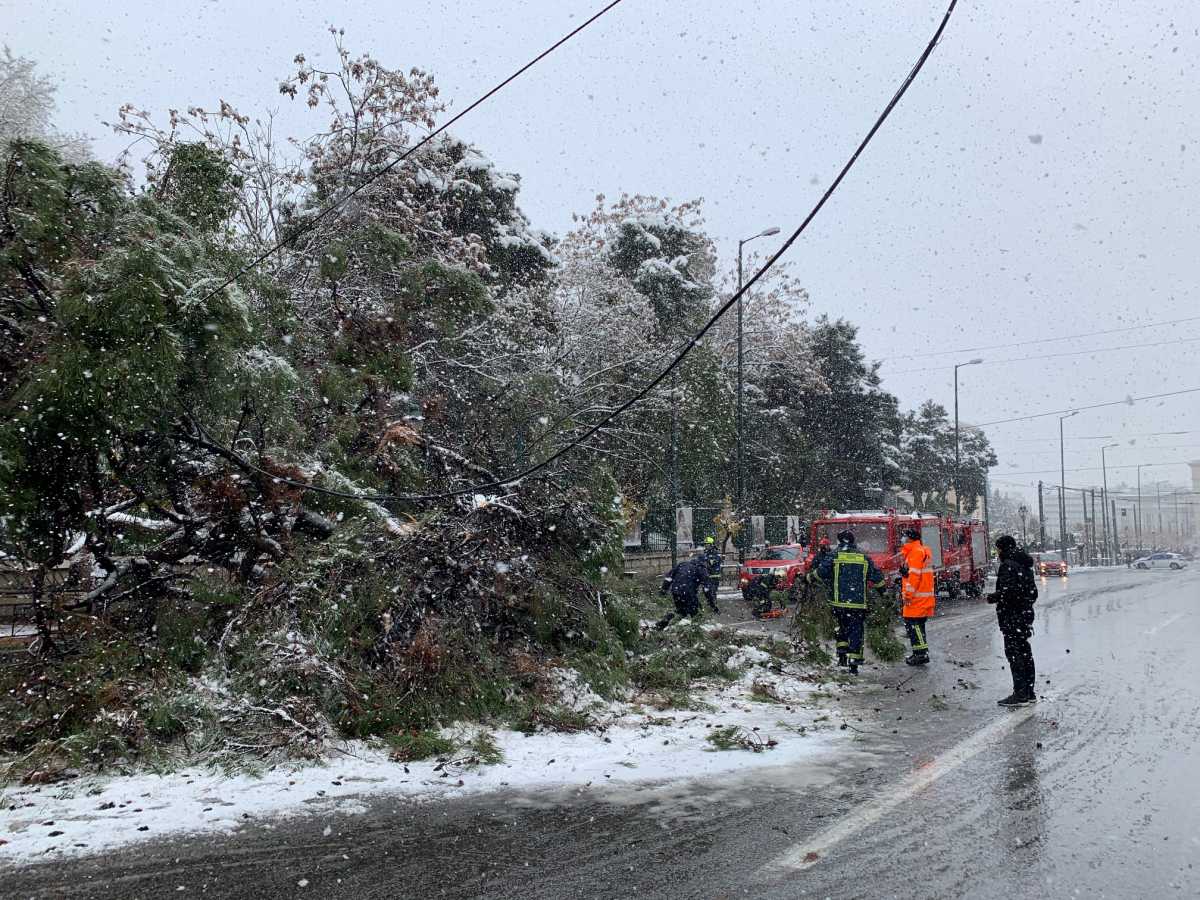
<point x="1128" y="401"/>
<point x="1103" y="437"/>
<point x="1110" y="467"/>
<point x="1092" y="450"/>
<point x="329" y="210"/>
<point x="1043" y="356"/>
<point x="1049" y="340"/>
<point x="687" y="348"/>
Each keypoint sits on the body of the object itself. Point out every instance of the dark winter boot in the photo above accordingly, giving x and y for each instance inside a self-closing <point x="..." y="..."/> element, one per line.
<point x="842" y="661"/>
<point x="853" y="668"/>
<point x="1014" y="700"/>
<point x="918" y="658"/>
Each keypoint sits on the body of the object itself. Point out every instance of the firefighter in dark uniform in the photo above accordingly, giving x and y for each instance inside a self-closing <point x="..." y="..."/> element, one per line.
<point x="848" y="573"/>
<point x="713" y="560"/>
<point x="684" y="583"/>
<point x="814" y="588"/>
<point x="758" y="595"/>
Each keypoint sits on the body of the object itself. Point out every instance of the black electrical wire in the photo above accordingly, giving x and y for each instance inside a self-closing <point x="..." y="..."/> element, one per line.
<point x="1128" y="401"/>
<point x="1043" y="356"/>
<point x="309" y="224"/>
<point x="687" y="348"/>
<point x="1111" y="467"/>
<point x="1050" y="340"/>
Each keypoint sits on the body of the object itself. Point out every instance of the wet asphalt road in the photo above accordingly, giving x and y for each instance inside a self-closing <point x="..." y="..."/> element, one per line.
<point x="1094" y="793"/>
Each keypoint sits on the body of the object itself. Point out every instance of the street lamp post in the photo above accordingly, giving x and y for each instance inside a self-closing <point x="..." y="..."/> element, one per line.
<point x="1108" y="549"/>
<point x="766" y="232"/>
<point x="1137" y="516"/>
<point x="1137" y="519"/>
<point x="957" y="500"/>
<point x="1023" y="511"/>
<point x="1062" y="495"/>
<point x="1158" y="492"/>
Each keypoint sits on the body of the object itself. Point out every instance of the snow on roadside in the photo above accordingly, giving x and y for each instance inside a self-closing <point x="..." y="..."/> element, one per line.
<point x="747" y="656"/>
<point x="638" y="744"/>
<point x="575" y="693"/>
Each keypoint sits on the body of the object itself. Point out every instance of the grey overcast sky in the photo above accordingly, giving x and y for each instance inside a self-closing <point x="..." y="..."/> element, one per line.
<point x="1039" y="180"/>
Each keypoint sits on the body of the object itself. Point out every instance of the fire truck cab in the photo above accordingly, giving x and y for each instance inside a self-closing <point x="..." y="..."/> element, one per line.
<point x="879" y="534"/>
<point x="964" y="549"/>
<point x="959" y="548"/>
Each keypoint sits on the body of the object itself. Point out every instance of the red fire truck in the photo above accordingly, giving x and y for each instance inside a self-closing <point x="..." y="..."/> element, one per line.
<point x="959" y="547"/>
<point x="965" y="557"/>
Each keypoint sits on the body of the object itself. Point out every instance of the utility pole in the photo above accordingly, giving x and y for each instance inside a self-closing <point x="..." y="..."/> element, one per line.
<point x="1104" y="469"/>
<point x="957" y="501"/>
<point x="1116" y="537"/>
<point x="1041" y="519"/>
<point x="1062" y="493"/>
<point x="1095" y="538"/>
<point x="1023" y="511"/>
<point x="1062" y="521"/>
<point x="1137" y="513"/>
<point x="674" y="473"/>
<point x="987" y="522"/>
<point x="741" y="475"/>
<point x="1107" y="547"/>
<point x="1138" y="518"/>
<point x="675" y="451"/>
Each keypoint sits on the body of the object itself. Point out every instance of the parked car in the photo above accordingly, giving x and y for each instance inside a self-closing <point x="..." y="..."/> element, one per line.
<point x="1160" y="561"/>
<point x="1048" y="564"/>
<point x="787" y="561"/>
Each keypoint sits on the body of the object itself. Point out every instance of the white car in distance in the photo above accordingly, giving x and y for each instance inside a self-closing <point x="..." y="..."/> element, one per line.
<point x="1160" y="561"/>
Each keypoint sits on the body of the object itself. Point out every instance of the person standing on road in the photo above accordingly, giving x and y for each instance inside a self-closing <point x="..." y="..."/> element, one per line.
<point x="713" y="560"/>
<point x="684" y="583"/>
<point x="1016" y="591"/>
<point x="849" y="573"/>
<point x="918" y="592"/>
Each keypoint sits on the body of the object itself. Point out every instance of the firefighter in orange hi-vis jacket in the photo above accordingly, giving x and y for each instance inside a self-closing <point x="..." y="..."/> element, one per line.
<point x="918" y="592"/>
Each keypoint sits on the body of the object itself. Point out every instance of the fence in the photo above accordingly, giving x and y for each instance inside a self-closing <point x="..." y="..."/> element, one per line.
<point x="690" y="526"/>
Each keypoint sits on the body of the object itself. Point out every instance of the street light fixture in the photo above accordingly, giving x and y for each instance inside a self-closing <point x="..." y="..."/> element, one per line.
<point x="1062" y="493"/>
<point x="957" y="501"/>
<point x="766" y="232"/>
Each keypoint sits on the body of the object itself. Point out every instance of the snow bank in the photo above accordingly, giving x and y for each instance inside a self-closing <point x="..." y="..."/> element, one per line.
<point x="747" y="656"/>
<point x="575" y="693"/>
<point x="638" y="744"/>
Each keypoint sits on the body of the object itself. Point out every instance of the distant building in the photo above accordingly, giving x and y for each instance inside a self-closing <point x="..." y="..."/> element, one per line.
<point x="1196" y="475"/>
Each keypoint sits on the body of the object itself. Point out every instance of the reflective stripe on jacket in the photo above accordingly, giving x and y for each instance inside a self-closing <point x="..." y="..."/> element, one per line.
<point x="848" y="574"/>
<point x="918" y="585"/>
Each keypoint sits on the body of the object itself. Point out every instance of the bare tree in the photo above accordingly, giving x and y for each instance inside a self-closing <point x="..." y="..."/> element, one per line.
<point x="27" y="107"/>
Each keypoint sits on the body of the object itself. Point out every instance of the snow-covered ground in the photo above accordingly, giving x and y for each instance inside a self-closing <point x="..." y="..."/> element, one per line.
<point x="636" y="743"/>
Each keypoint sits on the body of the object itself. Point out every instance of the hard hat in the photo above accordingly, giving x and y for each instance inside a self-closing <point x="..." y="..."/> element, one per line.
<point x="710" y="540"/>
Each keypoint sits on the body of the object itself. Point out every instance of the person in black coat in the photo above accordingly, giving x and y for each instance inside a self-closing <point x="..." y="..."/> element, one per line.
<point x="714" y="561"/>
<point x="1016" y="591"/>
<point x="684" y="583"/>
